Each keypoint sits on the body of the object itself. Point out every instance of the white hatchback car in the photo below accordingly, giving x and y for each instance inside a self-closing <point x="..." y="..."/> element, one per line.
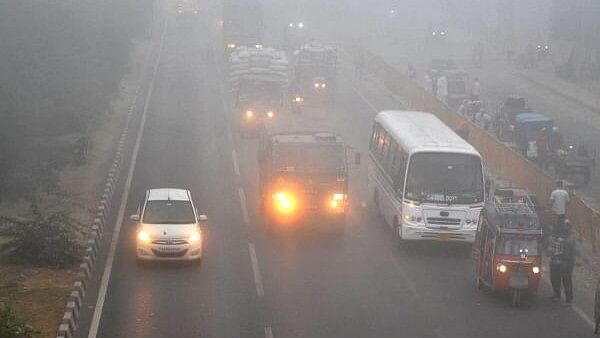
<point x="169" y="227"/>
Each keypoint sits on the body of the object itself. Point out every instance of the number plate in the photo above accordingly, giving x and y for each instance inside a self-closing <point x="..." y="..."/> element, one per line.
<point x="443" y="237"/>
<point x="169" y="248"/>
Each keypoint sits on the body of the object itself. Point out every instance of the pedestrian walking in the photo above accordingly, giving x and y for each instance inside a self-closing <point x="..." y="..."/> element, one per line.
<point x="428" y="83"/>
<point x="562" y="262"/>
<point x="543" y="149"/>
<point x="442" y="88"/>
<point x="559" y="199"/>
<point x="475" y="90"/>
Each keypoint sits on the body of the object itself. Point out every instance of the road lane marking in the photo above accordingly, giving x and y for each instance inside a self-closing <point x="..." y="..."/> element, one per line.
<point x="236" y="167"/>
<point x="409" y="283"/>
<point x="367" y="102"/>
<point x="93" y="332"/>
<point x="268" y="332"/>
<point x="574" y="307"/>
<point x="255" y="271"/>
<point x="243" y="205"/>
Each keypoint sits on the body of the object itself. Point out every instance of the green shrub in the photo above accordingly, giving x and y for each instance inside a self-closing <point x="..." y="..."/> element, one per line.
<point x="12" y="326"/>
<point x="52" y="240"/>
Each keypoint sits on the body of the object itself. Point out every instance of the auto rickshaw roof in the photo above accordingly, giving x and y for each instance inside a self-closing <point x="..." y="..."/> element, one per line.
<point x="528" y="117"/>
<point x="511" y="210"/>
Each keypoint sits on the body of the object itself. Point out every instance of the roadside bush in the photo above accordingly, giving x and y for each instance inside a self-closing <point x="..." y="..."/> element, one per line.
<point x="12" y="326"/>
<point x="52" y="240"/>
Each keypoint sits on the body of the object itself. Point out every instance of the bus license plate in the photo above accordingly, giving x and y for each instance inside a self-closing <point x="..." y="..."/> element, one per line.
<point x="443" y="237"/>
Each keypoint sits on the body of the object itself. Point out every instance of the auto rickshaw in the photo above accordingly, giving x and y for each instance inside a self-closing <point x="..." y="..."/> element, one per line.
<point x="507" y="249"/>
<point x="526" y="128"/>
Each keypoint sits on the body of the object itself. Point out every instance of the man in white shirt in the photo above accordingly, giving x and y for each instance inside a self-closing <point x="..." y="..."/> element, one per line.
<point x="559" y="199"/>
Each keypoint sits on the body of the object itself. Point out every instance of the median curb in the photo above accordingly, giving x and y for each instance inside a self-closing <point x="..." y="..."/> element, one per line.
<point x="73" y="309"/>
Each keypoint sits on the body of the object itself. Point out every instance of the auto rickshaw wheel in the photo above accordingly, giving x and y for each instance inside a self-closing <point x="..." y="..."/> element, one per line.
<point x="516" y="297"/>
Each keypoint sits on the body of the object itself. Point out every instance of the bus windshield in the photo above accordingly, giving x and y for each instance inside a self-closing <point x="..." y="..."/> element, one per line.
<point x="450" y="178"/>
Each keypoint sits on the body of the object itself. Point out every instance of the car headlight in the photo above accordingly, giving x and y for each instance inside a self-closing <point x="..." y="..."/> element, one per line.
<point x="196" y="236"/>
<point x="284" y="202"/>
<point x="501" y="268"/>
<point x="316" y="85"/>
<point x="231" y="45"/>
<point x="258" y="46"/>
<point x="144" y="237"/>
<point x="300" y="25"/>
<point x="270" y="114"/>
<point x="249" y="114"/>
<point x="535" y="269"/>
<point x="299" y="99"/>
<point x="323" y="85"/>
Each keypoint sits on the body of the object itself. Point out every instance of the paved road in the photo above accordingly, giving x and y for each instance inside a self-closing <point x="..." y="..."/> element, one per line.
<point x="254" y="283"/>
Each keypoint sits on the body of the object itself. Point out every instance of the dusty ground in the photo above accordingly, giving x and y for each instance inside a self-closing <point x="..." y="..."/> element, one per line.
<point x="39" y="294"/>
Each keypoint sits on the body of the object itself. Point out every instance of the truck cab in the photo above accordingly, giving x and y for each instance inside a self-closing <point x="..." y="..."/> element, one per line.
<point x="303" y="178"/>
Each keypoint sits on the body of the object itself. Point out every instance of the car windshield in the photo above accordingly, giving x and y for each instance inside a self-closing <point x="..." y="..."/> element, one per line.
<point x="445" y="178"/>
<point x="169" y="212"/>
<point x="514" y="246"/>
<point x="309" y="157"/>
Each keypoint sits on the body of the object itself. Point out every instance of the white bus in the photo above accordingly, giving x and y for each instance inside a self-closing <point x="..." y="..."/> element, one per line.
<point x="427" y="182"/>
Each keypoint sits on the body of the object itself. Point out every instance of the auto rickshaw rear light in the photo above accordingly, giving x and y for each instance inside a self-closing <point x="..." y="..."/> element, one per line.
<point x="535" y="269"/>
<point x="501" y="267"/>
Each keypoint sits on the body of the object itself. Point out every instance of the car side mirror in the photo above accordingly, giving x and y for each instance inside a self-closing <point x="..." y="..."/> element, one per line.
<point x="357" y="158"/>
<point x="135" y="217"/>
<point x="202" y="218"/>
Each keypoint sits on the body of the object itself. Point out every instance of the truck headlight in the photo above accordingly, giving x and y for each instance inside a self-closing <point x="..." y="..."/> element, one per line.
<point x="284" y="202"/>
<point x="337" y="200"/>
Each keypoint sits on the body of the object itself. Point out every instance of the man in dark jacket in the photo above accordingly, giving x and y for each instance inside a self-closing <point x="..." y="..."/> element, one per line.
<point x="562" y="262"/>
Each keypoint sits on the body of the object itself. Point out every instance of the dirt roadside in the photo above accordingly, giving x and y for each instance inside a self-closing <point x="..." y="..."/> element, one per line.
<point x="39" y="294"/>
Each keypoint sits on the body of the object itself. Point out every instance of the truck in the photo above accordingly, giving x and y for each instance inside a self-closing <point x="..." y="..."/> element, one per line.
<point x="259" y="85"/>
<point x="303" y="178"/>
<point x="242" y="24"/>
<point x="315" y="72"/>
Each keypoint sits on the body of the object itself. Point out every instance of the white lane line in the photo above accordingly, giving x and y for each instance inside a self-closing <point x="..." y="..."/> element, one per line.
<point x="244" y="207"/>
<point x="236" y="167"/>
<point x="124" y="197"/>
<point x="409" y="283"/>
<point x="574" y="306"/>
<point x="255" y="270"/>
<point x="268" y="332"/>
<point x="367" y="102"/>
